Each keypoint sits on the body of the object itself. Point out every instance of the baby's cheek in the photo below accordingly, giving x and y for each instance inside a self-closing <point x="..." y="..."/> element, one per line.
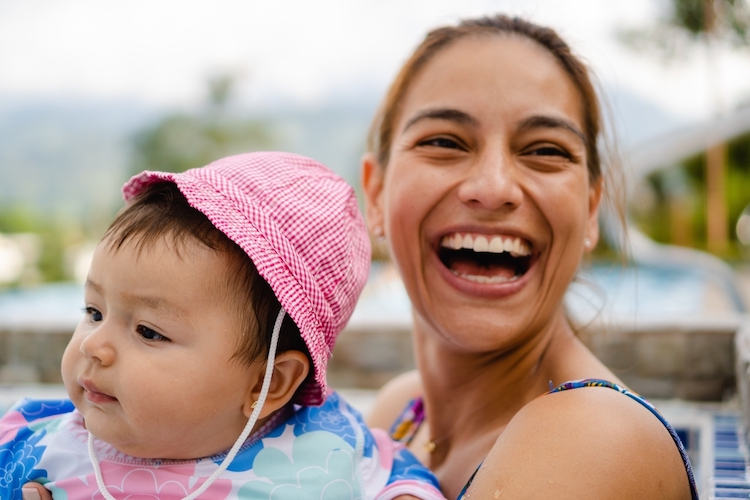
<point x="67" y="367"/>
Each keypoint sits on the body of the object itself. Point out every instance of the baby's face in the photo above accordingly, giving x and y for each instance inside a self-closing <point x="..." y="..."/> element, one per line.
<point x="151" y="364"/>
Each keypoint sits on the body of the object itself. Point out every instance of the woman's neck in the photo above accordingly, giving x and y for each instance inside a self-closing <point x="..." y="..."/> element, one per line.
<point x="470" y="397"/>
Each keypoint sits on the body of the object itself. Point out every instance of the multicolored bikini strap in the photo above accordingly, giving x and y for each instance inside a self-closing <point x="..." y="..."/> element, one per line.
<point x="577" y="384"/>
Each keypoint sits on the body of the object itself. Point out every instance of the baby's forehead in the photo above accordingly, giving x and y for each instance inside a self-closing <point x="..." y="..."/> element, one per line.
<point x="188" y="250"/>
<point x="216" y="272"/>
<point x="178" y="243"/>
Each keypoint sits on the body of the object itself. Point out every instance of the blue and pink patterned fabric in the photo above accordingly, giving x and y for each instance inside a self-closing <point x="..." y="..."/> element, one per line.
<point x="321" y="452"/>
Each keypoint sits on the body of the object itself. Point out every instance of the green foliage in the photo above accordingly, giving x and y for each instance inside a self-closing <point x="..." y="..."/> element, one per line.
<point x="54" y="234"/>
<point x="17" y="219"/>
<point x="181" y="141"/>
<point x="656" y="222"/>
<point x="689" y="15"/>
<point x="175" y="143"/>
<point x="685" y="22"/>
<point x="729" y="17"/>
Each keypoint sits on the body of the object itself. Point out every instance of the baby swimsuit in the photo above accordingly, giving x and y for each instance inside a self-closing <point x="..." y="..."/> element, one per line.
<point x="322" y="452"/>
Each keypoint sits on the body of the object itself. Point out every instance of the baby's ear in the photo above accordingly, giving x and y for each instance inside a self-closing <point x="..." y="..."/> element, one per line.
<point x="290" y="370"/>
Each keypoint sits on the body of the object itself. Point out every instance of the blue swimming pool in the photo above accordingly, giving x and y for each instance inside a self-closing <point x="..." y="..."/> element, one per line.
<point x="608" y="291"/>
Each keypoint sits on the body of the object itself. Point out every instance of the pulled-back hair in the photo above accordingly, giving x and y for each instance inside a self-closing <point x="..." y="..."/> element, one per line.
<point x="161" y="212"/>
<point x="382" y="129"/>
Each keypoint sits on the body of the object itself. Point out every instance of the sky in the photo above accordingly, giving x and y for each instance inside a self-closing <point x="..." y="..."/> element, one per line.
<point x="305" y="52"/>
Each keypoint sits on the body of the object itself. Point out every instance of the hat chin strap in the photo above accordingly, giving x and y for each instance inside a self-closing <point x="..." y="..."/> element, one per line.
<point x="237" y="444"/>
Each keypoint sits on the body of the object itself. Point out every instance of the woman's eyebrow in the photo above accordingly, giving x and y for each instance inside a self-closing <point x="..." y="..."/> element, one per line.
<point x="449" y="114"/>
<point x="542" y="121"/>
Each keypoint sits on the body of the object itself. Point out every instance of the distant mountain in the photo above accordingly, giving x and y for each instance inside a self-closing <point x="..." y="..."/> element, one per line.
<point x="636" y="120"/>
<point x="65" y="155"/>
<point x="334" y="134"/>
<point x="72" y="156"/>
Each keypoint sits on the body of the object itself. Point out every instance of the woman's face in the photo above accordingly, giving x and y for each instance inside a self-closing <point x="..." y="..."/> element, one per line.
<point x="486" y="200"/>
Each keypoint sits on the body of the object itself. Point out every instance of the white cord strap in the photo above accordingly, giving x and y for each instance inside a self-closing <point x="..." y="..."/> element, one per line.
<point x="237" y="444"/>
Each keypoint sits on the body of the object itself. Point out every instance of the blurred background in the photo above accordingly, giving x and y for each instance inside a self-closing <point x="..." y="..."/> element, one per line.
<point x="92" y="92"/>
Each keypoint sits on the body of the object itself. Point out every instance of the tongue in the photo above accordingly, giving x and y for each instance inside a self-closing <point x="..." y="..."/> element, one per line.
<point x="468" y="268"/>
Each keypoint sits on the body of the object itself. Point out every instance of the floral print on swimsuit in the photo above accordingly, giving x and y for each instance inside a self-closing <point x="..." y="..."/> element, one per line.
<point x="322" y="452"/>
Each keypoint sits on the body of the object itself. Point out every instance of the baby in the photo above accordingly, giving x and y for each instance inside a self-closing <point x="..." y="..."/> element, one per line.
<point x="199" y="369"/>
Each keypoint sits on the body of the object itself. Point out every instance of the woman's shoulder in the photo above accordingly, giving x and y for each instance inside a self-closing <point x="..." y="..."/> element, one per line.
<point x="393" y="398"/>
<point x="588" y="443"/>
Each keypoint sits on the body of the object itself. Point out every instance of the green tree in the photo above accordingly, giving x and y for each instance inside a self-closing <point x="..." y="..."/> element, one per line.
<point x="181" y="141"/>
<point x="708" y="23"/>
<point x="658" y="221"/>
<point x="53" y="232"/>
<point x="685" y="23"/>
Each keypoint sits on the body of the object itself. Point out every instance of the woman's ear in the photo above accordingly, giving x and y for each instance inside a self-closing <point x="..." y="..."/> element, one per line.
<point x="372" y="183"/>
<point x="592" y="225"/>
<point x="290" y="369"/>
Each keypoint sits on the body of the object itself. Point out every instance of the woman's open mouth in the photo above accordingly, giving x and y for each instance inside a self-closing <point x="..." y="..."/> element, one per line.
<point x="485" y="259"/>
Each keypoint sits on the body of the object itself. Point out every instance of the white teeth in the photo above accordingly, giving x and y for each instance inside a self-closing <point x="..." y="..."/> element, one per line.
<point x="514" y="246"/>
<point x="485" y="279"/>
<point x="496" y="245"/>
<point x="457" y="242"/>
<point x="481" y="244"/>
<point x="520" y="249"/>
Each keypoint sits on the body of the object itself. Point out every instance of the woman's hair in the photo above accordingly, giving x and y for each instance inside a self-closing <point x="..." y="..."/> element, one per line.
<point x="382" y="129"/>
<point x="161" y="212"/>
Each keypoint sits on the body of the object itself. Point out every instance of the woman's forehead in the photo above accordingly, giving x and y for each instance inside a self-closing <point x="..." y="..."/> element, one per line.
<point x="477" y="74"/>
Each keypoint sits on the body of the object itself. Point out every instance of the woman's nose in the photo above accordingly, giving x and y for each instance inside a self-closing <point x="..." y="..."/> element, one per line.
<point x="97" y="346"/>
<point x="492" y="183"/>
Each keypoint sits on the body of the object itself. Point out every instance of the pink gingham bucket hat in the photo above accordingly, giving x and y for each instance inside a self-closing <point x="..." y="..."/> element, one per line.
<point x="300" y="225"/>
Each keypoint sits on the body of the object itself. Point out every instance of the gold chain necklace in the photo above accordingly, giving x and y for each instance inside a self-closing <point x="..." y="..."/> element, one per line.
<point x="431" y="444"/>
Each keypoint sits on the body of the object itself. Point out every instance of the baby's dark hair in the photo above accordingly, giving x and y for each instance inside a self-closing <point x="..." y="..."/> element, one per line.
<point x="160" y="212"/>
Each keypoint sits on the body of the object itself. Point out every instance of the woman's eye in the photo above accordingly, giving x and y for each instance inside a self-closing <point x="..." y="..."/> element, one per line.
<point x="441" y="142"/>
<point x="148" y="334"/>
<point x="95" y="315"/>
<point x="551" y="151"/>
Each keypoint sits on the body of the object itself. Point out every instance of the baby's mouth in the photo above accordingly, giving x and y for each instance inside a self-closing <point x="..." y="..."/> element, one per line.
<point x="94" y="394"/>
<point x="485" y="259"/>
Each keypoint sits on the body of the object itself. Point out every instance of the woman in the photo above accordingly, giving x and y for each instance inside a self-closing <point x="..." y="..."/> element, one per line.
<point x="484" y="176"/>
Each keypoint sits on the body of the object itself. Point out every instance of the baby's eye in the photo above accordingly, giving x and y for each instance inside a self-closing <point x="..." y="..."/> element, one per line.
<point x="442" y="142"/>
<point x="95" y="315"/>
<point x="149" y="334"/>
<point x="551" y="151"/>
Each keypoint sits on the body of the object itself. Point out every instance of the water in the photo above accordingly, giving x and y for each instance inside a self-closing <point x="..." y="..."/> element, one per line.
<point x="602" y="291"/>
<point x="51" y="306"/>
<point x="610" y="292"/>
<point x="615" y="292"/>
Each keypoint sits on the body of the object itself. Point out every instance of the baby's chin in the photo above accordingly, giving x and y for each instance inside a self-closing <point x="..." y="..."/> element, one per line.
<point x="156" y="443"/>
<point x="146" y="450"/>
